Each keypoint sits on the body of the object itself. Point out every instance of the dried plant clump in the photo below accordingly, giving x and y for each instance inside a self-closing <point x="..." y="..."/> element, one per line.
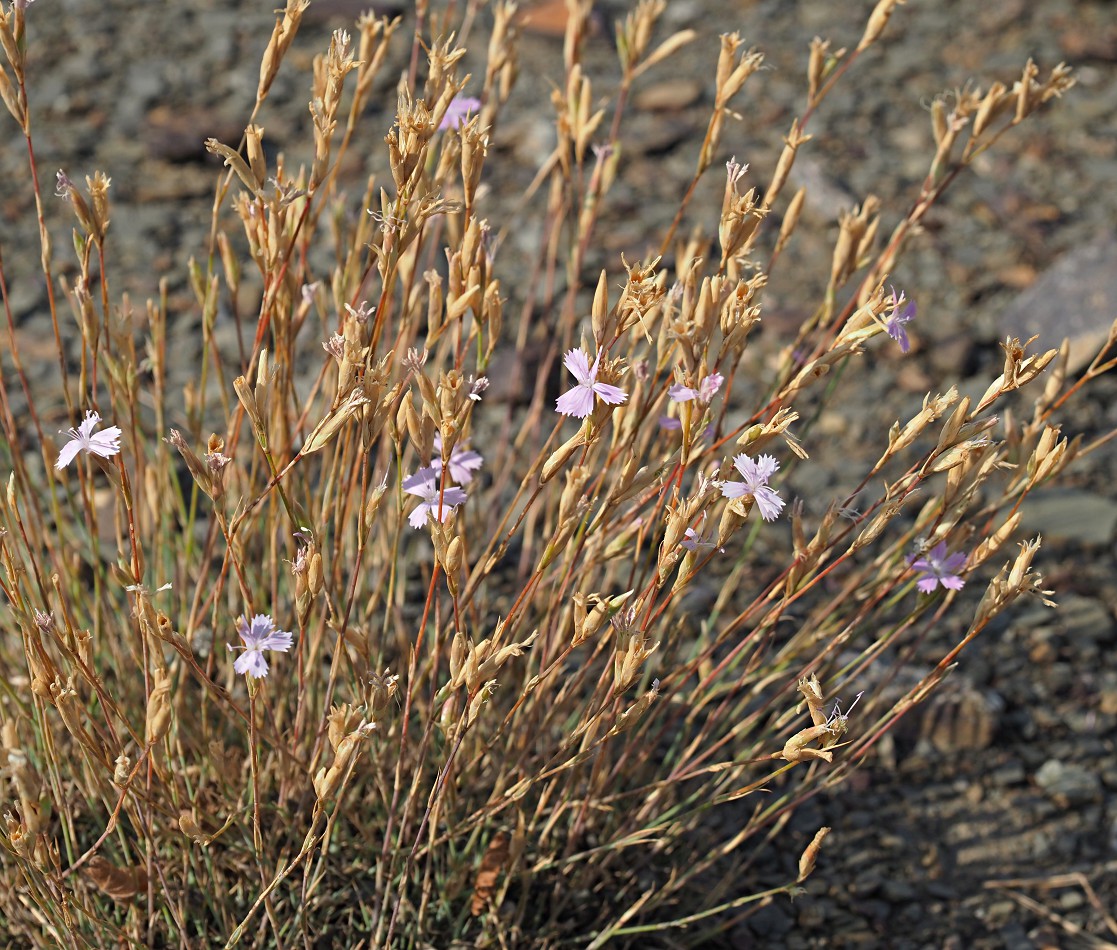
<point x="387" y="653"/>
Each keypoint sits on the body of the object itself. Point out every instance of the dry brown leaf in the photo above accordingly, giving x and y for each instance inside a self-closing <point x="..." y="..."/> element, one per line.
<point x="496" y="857"/>
<point x="121" y="884"/>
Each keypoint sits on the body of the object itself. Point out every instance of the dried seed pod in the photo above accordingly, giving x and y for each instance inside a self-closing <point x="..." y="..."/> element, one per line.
<point x="159" y="710"/>
<point x="234" y="160"/>
<point x="810" y="854"/>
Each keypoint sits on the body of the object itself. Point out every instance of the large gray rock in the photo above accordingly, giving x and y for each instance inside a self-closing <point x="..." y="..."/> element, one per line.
<point x="1075" y="298"/>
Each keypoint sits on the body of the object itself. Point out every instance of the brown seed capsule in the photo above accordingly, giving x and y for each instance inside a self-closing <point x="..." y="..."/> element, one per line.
<point x="810" y="855"/>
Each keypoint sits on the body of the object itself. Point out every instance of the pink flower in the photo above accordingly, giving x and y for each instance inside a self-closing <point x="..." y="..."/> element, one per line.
<point x="458" y="112"/>
<point x="706" y="390"/>
<point x="463" y="461"/>
<point x="84" y="439"/>
<point x="670" y="424"/>
<point x="64" y="188"/>
<point x="258" y="635"/>
<point x="756" y="475"/>
<point x="939" y="568"/>
<point x="424" y="484"/>
<point x="696" y="540"/>
<point x="477" y="386"/>
<point x="896" y="320"/>
<point x="579" y="400"/>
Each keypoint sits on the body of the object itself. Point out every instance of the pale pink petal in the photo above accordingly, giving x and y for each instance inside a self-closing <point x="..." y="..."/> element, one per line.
<point x="262" y="626"/>
<point x="613" y="395"/>
<point x="463" y="464"/>
<point x="280" y="640"/>
<point x="458" y="112"/>
<point x="769" y="503"/>
<point x="421" y="483"/>
<point x="451" y="498"/>
<point x="681" y="393"/>
<point x="576" y="402"/>
<point x="955" y="562"/>
<point x="105" y="443"/>
<point x="68" y="453"/>
<point x="578" y="363"/>
<point x="418" y="517"/>
<point x="767" y="466"/>
<point x="91" y="420"/>
<point x="708" y="388"/>
<point x="463" y="461"/>
<point x="252" y="663"/>
<point x="83" y="438"/>
<point x="259" y="634"/>
<point x="734" y="489"/>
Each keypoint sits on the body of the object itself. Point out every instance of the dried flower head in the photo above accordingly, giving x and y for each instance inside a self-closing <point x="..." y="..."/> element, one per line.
<point x="415" y="360"/>
<point x="477" y="386"/>
<point x="735" y="171"/>
<point x="362" y="313"/>
<point x="215" y="456"/>
<point x="64" y="187"/>
<point x="335" y="346"/>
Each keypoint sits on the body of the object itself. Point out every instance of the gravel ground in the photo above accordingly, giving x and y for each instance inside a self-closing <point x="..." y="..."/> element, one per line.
<point x="1012" y="775"/>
